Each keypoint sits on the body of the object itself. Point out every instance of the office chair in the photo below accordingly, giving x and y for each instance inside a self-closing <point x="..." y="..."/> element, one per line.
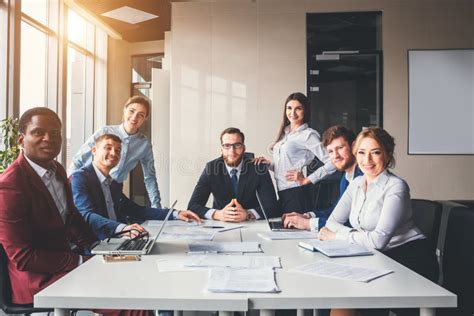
<point x="6" y="292"/>
<point x="427" y="217"/>
<point x="458" y="261"/>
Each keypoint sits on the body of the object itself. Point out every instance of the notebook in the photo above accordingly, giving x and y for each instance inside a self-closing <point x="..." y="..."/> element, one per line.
<point x="120" y="246"/>
<point x="275" y="224"/>
<point x="335" y="248"/>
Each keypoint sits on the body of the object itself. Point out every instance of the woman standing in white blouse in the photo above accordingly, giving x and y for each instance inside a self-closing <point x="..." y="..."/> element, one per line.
<point x="378" y="208"/>
<point x="295" y="148"/>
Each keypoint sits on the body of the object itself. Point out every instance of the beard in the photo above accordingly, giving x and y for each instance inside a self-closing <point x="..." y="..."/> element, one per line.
<point x="232" y="163"/>
<point x="347" y="163"/>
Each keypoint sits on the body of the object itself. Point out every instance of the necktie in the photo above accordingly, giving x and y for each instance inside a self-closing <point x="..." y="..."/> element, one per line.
<point x="234" y="180"/>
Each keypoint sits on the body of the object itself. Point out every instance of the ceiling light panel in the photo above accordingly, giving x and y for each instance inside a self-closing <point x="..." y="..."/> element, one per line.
<point x="129" y="15"/>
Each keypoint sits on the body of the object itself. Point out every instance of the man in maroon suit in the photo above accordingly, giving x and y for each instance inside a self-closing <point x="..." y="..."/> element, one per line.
<point x="38" y="220"/>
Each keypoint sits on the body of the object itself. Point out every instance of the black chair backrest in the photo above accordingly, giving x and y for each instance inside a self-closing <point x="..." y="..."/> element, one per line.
<point x="427" y="217"/>
<point x="5" y="286"/>
<point x="6" y="291"/>
<point x="467" y="203"/>
<point x="458" y="261"/>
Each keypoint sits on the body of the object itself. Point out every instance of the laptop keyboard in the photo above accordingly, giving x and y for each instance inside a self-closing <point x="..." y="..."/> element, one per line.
<point x="133" y="244"/>
<point x="277" y="225"/>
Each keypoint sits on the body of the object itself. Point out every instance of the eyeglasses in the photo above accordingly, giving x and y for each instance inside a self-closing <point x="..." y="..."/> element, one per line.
<point x="235" y="146"/>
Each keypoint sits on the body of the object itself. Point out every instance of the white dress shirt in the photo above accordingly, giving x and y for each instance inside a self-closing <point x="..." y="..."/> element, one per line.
<point x="55" y="186"/>
<point x="381" y="216"/>
<point x="294" y="151"/>
<point x="211" y="211"/>
<point x="105" y="185"/>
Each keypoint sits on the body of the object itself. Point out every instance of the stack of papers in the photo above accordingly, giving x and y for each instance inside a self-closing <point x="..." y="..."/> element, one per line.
<point x="233" y="261"/>
<point x="224" y="247"/>
<point x="188" y="236"/>
<point x="281" y="235"/>
<point x="335" y="248"/>
<point x="340" y="271"/>
<point x="229" y="280"/>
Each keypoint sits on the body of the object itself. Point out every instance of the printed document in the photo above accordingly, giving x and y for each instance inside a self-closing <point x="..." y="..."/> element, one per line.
<point x="281" y="235"/>
<point x="216" y="247"/>
<point x="233" y="261"/>
<point x="335" y="248"/>
<point x="242" y="280"/>
<point x="188" y="236"/>
<point x="175" y="265"/>
<point x="329" y="269"/>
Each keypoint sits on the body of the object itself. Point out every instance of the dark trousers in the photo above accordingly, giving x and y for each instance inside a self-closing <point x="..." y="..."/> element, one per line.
<point x="418" y="256"/>
<point x="296" y="199"/>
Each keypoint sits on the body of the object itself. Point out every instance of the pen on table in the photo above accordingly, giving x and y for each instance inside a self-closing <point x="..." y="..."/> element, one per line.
<point x="212" y="226"/>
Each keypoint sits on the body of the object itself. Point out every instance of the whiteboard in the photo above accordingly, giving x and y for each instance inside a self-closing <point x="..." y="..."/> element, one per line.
<point x="441" y="101"/>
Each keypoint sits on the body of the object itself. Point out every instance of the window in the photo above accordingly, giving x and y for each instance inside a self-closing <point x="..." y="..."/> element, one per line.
<point x="35" y="44"/>
<point x="33" y="67"/>
<point x="86" y="65"/>
<point x="36" y="9"/>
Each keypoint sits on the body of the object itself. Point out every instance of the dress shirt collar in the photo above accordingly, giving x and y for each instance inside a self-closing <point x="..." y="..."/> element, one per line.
<point x="380" y="181"/>
<point x="351" y="176"/>
<point x="239" y="168"/>
<point x="126" y="135"/>
<point x="100" y="175"/>
<point x="40" y="171"/>
<point x="299" y="129"/>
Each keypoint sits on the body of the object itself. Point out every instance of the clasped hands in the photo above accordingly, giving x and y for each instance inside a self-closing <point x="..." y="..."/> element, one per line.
<point x="232" y="212"/>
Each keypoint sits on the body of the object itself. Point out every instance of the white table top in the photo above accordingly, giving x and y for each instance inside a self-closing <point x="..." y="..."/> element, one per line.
<point x="403" y="288"/>
<point x="139" y="285"/>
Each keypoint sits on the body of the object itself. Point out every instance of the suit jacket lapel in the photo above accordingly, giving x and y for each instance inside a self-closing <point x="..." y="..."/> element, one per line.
<point x="38" y="183"/>
<point x="97" y="190"/>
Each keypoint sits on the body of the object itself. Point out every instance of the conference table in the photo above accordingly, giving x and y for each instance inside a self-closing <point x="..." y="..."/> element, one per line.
<point x="140" y="285"/>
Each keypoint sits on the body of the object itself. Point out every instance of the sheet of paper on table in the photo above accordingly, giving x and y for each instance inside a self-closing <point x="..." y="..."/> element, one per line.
<point x="329" y="269"/>
<point x="188" y="236"/>
<point x="224" y="247"/>
<point x="275" y="235"/>
<point x="242" y="280"/>
<point x="233" y="261"/>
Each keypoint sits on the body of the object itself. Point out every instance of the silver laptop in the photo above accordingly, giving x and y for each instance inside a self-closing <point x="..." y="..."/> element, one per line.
<point x="275" y="224"/>
<point x="120" y="246"/>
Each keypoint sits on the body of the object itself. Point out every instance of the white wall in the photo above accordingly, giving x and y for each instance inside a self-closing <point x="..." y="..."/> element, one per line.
<point x="234" y="63"/>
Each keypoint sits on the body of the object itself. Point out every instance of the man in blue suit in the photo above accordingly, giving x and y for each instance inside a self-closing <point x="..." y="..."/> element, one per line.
<point x="234" y="180"/>
<point x="338" y="142"/>
<point x="100" y="199"/>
